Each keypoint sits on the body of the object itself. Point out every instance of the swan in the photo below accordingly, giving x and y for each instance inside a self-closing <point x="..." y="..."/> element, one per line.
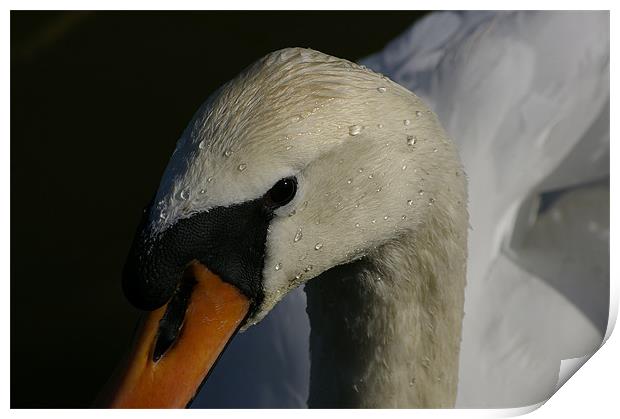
<point x="536" y="293"/>
<point x="305" y="168"/>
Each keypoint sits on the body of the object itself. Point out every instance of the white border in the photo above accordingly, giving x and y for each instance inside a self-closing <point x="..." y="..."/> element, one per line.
<point x="591" y="392"/>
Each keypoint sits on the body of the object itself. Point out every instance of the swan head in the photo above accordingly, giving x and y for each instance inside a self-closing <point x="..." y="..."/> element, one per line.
<point x="301" y="163"/>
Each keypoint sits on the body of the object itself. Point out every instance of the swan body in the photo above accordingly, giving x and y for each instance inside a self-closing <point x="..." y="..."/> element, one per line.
<point x="527" y="100"/>
<point x="378" y="223"/>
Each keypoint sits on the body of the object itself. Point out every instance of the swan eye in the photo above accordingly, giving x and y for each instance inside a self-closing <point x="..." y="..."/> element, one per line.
<point x="282" y="192"/>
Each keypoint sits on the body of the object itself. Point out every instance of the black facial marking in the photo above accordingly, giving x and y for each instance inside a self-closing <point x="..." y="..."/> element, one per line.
<point x="229" y="241"/>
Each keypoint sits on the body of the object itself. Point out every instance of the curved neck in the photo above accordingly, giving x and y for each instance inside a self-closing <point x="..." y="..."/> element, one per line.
<point x="386" y="330"/>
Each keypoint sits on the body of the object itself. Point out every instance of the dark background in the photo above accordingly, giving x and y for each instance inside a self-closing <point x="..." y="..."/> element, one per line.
<point x="98" y="101"/>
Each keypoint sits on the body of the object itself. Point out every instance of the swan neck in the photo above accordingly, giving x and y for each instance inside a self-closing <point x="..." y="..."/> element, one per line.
<point x="386" y="329"/>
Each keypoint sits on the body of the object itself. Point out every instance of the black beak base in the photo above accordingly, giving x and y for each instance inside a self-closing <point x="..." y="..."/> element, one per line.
<point x="230" y="241"/>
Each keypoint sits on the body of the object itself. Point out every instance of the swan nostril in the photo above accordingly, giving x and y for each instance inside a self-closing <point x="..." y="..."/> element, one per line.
<point x="171" y="324"/>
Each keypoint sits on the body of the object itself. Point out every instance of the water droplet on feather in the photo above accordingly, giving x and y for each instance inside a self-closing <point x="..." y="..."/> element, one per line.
<point x="298" y="235"/>
<point x="355" y="130"/>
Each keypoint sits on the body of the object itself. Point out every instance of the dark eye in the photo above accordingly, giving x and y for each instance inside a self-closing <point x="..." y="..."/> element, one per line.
<point x="282" y="192"/>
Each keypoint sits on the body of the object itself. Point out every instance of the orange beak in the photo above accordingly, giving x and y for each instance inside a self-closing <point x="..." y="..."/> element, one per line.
<point x="152" y="377"/>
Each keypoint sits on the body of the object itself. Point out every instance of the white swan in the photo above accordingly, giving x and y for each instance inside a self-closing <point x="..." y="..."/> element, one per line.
<point x="480" y="71"/>
<point x="307" y="167"/>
